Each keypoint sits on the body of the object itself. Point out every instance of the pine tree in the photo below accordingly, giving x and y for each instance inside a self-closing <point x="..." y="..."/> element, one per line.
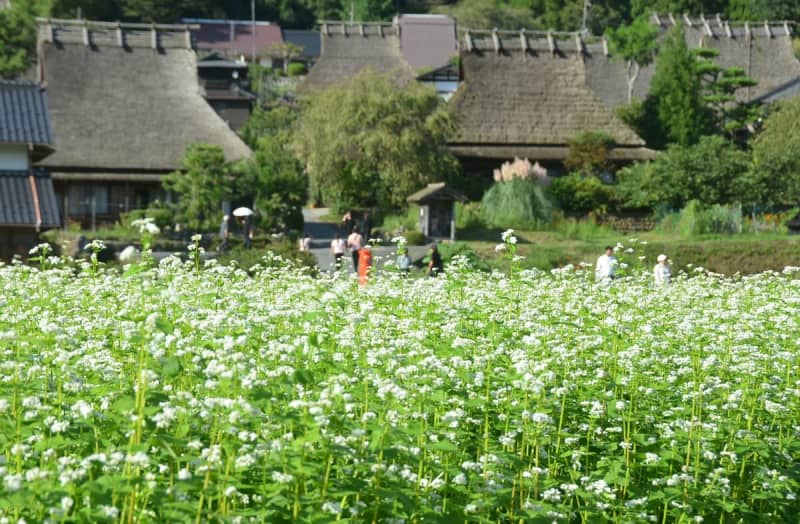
<point x="676" y="94"/>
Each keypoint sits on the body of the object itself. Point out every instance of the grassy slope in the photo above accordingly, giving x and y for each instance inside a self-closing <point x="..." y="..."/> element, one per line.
<point x="745" y="253"/>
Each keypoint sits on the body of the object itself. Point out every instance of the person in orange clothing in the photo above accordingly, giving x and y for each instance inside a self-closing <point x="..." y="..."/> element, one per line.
<point x="364" y="264"/>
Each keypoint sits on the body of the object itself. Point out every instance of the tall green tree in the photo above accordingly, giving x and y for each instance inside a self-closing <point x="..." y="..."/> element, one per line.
<point x="676" y="94"/>
<point x="201" y="186"/>
<point x="273" y="179"/>
<point x="17" y="38"/>
<point x="370" y="142"/>
<point x="635" y="43"/>
<point x="776" y="155"/>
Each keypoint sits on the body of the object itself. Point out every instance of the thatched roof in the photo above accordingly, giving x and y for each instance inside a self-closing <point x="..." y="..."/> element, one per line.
<point x="524" y="91"/>
<point x="127" y="108"/>
<point x="348" y="48"/>
<point x="762" y="49"/>
<point x="435" y="191"/>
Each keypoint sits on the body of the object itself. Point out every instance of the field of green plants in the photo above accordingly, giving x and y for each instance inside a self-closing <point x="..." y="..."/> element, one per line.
<point x="179" y="393"/>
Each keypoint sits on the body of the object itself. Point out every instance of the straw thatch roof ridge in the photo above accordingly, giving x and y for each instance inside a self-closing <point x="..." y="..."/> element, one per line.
<point x="532" y="41"/>
<point x="115" y="108"/>
<point x="120" y="34"/>
<point x="716" y="26"/>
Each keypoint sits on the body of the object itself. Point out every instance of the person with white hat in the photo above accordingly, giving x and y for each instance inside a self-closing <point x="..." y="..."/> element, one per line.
<point x="661" y="272"/>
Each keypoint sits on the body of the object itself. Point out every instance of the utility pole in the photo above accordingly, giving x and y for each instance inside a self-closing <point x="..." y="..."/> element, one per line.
<point x="253" y="31"/>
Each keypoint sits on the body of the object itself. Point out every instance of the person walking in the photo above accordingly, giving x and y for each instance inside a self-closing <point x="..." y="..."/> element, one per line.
<point x="224" y="234"/>
<point x="305" y="243"/>
<point x="338" y="247"/>
<point x="347" y="223"/>
<point x="355" y="242"/>
<point x="366" y="226"/>
<point x="661" y="272"/>
<point x="606" y="265"/>
<point x="247" y="231"/>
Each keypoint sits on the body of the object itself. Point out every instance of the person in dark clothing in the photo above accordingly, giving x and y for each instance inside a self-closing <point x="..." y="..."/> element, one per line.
<point x="366" y="226"/>
<point x="435" y="265"/>
<point x="246" y="223"/>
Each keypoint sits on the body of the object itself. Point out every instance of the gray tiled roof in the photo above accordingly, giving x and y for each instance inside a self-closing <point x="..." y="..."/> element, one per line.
<point x="309" y="41"/>
<point x="18" y="207"/>
<point x="23" y="114"/>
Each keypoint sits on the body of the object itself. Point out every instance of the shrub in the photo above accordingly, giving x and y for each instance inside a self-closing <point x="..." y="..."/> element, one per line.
<point x="162" y="216"/>
<point x="575" y="192"/>
<point x="469" y="215"/>
<point x="695" y="219"/>
<point x="414" y="238"/>
<point x="401" y="222"/>
<point x="588" y="153"/>
<point x="247" y="258"/>
<point x="296" y="69"/>
<point x="450" y="250"/>
<point x="519" y="203"/>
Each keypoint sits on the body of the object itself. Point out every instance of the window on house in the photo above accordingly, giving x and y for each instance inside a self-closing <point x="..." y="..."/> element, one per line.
<point x="82" y="198"/>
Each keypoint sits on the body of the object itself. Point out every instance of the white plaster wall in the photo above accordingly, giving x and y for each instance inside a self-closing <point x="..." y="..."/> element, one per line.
<point x="13" y="157"/>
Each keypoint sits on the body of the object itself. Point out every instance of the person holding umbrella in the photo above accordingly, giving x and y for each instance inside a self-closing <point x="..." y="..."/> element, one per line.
<point x="245" y="216"/>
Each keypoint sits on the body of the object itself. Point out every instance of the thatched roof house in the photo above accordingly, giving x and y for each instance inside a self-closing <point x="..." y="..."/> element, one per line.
<point x="762" y="49"/>
<point x="125" y="104"/>
<point x="527" y="95"/>
<point x="347" y="48"/>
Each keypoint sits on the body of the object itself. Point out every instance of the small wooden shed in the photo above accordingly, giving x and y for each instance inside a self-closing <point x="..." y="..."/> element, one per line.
<point x="437" y="213"/>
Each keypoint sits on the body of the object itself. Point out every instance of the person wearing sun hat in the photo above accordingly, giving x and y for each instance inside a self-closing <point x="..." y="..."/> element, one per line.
<point x="661" y="271"/>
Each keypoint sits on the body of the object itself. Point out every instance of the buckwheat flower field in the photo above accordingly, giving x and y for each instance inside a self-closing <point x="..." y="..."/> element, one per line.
<point x="181" y="393"/>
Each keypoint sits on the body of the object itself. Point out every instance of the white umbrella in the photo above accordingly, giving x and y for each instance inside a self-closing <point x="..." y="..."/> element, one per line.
<point x="243" y="212"/>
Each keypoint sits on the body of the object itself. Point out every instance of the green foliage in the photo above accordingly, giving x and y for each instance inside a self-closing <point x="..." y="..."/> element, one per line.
<point x="635" y="43"/>
<point x="469" y="215"/>
<point x="370" y="143"/>
<point x="518" y="203"/>
<point x="275" y="121"/>
<point x="775" y="175"/>
<point x="275" y="182"/>
<point x="17" y="38"/>
<point x="448" y="250"/>
<point x="482" y="14"/>
<point x="398" y="223"/>
<point x="676" y="95"/>
<point x="287" y="250"/>
<point x="580" y="229"/>
<point x="696" y="219"/>
<point x="202" y="185"/>
<point x="296" y="69"/>
<point x="579" y="193"/>
<point x="588" y="153"/>
<point x="163" y="217"/>
<point x="414" y="238"/>
<point x="712" y="172"/>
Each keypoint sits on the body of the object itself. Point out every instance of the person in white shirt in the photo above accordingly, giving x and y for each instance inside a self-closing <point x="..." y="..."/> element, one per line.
<point x="661" y="272"/>
<point x="338" y="247"/>
<point x="355" y="242"/>
<point x="606" y="265"/>
<point x="305" y="243"/>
